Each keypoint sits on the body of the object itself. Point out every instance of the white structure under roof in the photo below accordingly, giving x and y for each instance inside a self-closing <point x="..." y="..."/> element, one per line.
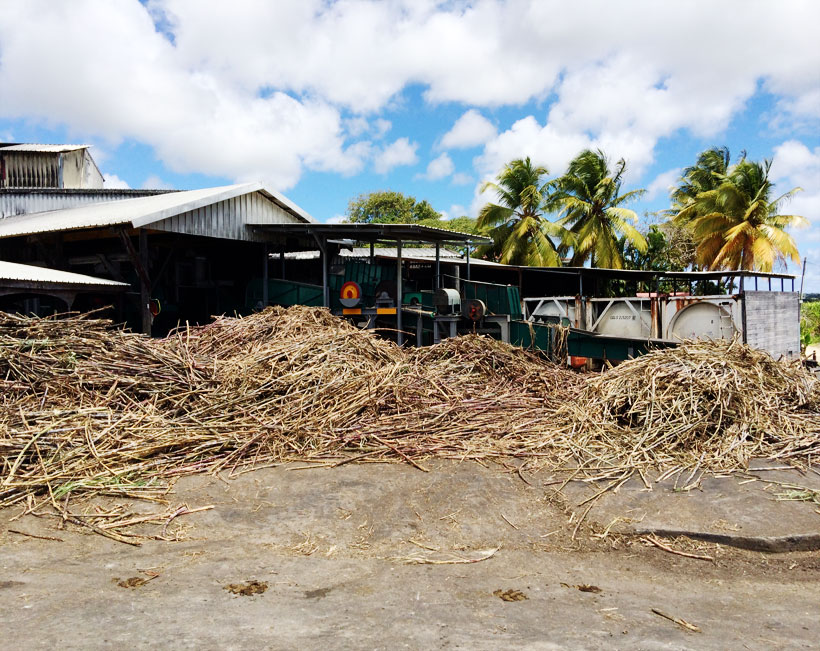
<point x="11" y="271"/>
<point x="409" y="254"/>
<point x="32" y="165"/>
<point x="223" y="212"/>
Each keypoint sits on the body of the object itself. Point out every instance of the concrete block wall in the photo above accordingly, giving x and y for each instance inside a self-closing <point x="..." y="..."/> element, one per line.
<point x="773" y="322"/>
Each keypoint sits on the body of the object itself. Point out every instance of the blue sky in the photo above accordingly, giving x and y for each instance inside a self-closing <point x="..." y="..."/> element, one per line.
<point x="327" y="100"/>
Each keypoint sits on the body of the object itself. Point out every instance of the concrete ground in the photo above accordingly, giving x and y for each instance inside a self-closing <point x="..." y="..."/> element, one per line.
<point x="462" y="557"/>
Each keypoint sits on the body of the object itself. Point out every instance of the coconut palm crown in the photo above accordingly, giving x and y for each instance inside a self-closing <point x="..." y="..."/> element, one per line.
<point x="516" y="222"/>
<point x="706" y="174"/>
<point x="738" y="225"/>
<point x="588" y="198"/>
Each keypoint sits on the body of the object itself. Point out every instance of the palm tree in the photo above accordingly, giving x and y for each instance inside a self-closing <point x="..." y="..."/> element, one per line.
<point x="706" y="174"/>
<point x="737" y="224"/>
<point x="520" y="231"/>
<point x="589" y="199"/>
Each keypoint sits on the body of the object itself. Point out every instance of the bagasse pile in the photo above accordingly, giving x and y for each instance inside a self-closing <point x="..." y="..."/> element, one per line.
<point x="88" y="408"/>
<point x="715" y="404"/>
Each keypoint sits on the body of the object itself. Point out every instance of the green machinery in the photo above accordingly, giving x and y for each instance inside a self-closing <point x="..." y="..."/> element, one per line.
<point x="485" y="308"/>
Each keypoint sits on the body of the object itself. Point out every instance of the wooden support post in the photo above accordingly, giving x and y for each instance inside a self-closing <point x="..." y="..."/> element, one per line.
<point x="145" y="284"/>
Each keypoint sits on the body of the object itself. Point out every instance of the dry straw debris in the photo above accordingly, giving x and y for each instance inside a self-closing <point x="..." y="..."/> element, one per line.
<point x="87" y="408"/>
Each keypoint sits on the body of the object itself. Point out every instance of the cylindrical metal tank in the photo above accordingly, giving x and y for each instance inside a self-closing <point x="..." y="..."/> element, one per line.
<point x="561" y="310"/>
<point x="623" y="318"/>
<point x="701" y="320"/>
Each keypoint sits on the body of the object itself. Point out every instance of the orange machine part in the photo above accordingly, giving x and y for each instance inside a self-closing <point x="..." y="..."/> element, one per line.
<point x="350" y="290"/>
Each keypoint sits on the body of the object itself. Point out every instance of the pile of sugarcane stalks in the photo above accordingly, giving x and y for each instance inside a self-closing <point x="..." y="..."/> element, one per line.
<point x="89" y="409"/>
<point x="709" y="404"/>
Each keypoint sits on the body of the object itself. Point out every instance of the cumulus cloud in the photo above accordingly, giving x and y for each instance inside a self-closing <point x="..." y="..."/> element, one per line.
<point x="381" y="127"/>
<point x="456" y="210"/>
<point x="114" y="182"/>
<point x="439" y="168"/>
<point x="153" y="182"/>
<point x="304" y="86"/>
<point x="399" y="152"/>
<point x="470" y="130"/>
<point x="195" y="118"/>
<point x="662" y="184"/>
<point x="795" y="165"/>
<point x="461" y="178"/>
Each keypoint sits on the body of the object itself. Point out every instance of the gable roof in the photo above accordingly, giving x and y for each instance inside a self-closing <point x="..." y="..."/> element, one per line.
<point x="141" y="211"/>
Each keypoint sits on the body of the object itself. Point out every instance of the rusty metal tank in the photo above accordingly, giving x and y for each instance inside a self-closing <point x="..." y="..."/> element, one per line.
<point x="701" y="318"/>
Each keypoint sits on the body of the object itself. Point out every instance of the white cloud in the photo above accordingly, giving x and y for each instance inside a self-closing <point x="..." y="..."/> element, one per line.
<point x="278" y="99"/>
<point x="357" y="126"/>
<point x="461" y="178"/>
<point x="795" y="165"/>
<point x="121" y="79"/>
<point x="438" y="168"/>
<point x="381" y="127"/>
<point x="545" y="145"/>
<point x="492" y="52"/>
<point x="112" y="181"/>
<point x="336" y="219"/>
<point x="153" y="182"/>
<point x="662" y="184"/>
<point x="399" y="152"/>
<point x="456" y="210"/>
<point x="470" y="130"/>
<point x="361" y="126"/>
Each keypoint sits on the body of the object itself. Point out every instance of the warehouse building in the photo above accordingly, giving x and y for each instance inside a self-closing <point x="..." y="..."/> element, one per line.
<point x="184" y="255"/>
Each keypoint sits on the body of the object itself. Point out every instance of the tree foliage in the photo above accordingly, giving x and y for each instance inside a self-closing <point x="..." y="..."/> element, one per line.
<point x="733" y="215"/>
<point x="705" y="175"/>
<point x="588" y="198"/>
<point x="517" y="223"/>
<point x="810" y="321"/>
<point x="389" y="207"/>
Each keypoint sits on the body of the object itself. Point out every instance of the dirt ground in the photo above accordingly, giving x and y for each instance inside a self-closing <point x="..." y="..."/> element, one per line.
<point x="386" y="556"/>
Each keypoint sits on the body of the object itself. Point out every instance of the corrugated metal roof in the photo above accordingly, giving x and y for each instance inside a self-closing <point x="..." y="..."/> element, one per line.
<point x="408" y="233"/>
<point x="18" y="201"/>
<point x="138" y="212"/>
<point x="41" y="148"/>
<point x="30" y="273"/>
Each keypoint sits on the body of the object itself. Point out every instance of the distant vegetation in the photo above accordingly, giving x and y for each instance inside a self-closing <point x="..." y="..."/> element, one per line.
<point x="810" y="321"/>
<point x="389" y="207"/>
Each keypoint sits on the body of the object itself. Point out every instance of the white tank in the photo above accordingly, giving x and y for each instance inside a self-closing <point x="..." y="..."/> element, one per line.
<point x="619" y="319"/>
<point x="553" y="308"/>
<point x="702" y="320"/>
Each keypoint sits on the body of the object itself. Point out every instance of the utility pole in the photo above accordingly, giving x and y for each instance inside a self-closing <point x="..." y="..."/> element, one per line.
<point x="803" y="277"/>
